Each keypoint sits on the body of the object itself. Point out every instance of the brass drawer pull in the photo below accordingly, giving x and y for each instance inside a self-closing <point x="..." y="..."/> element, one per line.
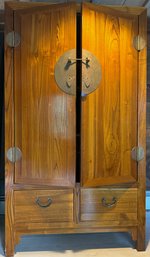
<point x="44" y="205"/>
<point x="111" y="204"/>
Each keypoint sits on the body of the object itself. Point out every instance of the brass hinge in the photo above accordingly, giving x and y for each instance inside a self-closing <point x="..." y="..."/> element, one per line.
<point x="137" y="153"/>
<point x="139" y="43"/>
<point x="14" y="154"/>
<point x="12" y="39"/>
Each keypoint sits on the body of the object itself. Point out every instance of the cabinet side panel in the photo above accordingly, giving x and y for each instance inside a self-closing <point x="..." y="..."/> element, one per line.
<point x="9" y="138"/>
<point x="142" y="133"/>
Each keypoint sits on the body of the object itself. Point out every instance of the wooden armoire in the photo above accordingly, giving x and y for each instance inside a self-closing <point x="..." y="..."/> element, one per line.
<point x="75" y="97"/>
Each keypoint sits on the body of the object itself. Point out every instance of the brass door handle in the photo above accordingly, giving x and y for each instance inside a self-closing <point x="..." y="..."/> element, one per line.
<point x="109" y="204"/>
<point x="43" y="205"/>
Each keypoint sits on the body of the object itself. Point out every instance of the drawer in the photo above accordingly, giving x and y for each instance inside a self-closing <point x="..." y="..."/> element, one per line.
<point x="43" y="206"/>
<point x="109" y="206"/>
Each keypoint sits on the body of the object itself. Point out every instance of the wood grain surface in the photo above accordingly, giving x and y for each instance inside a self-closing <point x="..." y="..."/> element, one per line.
<point x="27" y="209"/>
<point x="109" y="115"/>
<point x="45" y="135"/>
<point x="44" y="114"/>
<point x="9" y="139"/>
<point x="142" y="133"/>
<point x="123" y="212"/>
<point x="41" y="121"/>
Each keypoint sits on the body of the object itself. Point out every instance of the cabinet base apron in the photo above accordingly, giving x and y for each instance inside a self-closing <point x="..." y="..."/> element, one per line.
<point x="83" y="210"/>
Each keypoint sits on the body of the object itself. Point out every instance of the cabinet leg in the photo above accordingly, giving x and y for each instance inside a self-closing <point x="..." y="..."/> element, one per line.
<point x="9" y="242"/>
<point x="134" y="234"/>
<point x="9" y="251"/>
<point x="140" y="239"/>
<point x="141" y="211"/>
<point x="9" y="216"/>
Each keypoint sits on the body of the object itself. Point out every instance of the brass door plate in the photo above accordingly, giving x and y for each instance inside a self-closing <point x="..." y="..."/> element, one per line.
<point x="91" y="73"/>
<point x="65" y="72"/>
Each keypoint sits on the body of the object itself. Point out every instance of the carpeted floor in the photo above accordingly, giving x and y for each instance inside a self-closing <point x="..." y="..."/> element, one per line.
<point x="83" y="245"/>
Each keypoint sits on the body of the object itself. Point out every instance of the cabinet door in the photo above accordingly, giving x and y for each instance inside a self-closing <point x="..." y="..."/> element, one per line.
<point x="44" y="116"/>
<point x="109" y="115"/>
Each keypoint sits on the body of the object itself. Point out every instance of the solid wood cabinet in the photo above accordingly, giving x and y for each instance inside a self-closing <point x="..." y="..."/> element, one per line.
<point x="80" y="156"/>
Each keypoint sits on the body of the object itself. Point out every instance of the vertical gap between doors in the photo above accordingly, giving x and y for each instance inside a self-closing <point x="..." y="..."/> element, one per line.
<point x="78" y="96"/>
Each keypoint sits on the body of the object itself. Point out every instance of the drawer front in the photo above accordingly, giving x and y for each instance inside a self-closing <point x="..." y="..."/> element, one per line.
<point x="109" y="206"/>
<point x="43" y="206"/>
